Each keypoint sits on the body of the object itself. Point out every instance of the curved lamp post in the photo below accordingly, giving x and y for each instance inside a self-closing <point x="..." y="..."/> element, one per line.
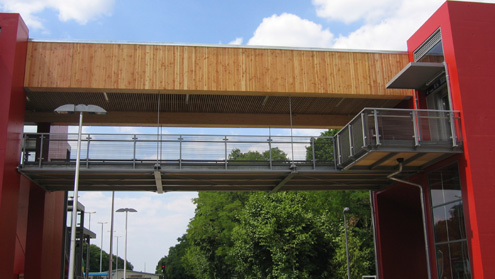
<point x="347" y="244"/>
<point x="126" y="210"/>
<point x="71" y="108"/>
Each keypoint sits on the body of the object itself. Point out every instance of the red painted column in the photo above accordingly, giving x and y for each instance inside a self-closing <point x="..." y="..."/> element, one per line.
<point x="34" y="239"/>
<point x="13" y="42"/>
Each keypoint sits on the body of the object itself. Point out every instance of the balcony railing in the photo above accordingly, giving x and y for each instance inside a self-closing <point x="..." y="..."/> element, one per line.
<point x="398" y="130"/>
<point x="179" y="151"/>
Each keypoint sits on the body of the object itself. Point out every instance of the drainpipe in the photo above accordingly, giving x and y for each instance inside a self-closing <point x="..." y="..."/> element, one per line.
<point x="425" y="231"/>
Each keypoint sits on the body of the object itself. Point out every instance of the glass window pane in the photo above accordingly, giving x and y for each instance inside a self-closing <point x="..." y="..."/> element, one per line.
<point x="443" y="261"/>
<point x="440" y="224"/>
<point x="459" y="260"/>
<point x="445" y="185"/>
<point x="455" y="222"/>
<point x="435" y="54"/>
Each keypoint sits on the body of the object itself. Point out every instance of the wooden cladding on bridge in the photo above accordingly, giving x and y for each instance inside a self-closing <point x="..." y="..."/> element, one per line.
<point x="144" y="68"/>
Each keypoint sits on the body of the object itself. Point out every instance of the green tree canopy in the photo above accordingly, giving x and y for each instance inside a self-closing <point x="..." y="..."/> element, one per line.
<point x="174" y="264"/>
<point x="323" y="147"/>
<point x="280" y="237"/>
<point x="94" y="259"/>
<point x="277" y="155"/>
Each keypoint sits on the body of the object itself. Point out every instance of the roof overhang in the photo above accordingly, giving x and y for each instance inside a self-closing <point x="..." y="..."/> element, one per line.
<point x="416" y="75"/>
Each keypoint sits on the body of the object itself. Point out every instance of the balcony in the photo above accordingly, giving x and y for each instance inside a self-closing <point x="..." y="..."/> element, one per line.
<point x="376" y="138"/>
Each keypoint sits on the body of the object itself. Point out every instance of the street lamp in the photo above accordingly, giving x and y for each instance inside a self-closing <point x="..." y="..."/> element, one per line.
<point x="101" y="242"/>
<point x="126" y="210"/>
<point x="64" y="109"/>
<point x="346" y="209"/>
<point x="90" y="213"/>
<point x="117" y="256"/>
<point x="111" y="235"/>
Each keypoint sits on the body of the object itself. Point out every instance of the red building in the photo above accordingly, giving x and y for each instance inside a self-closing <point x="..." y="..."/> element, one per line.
<point x="457" y="191"/>
<point x="433" y="222"/>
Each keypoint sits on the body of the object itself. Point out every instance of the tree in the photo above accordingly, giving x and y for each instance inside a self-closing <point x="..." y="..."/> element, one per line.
<point x="209" y="234"/>
<point x="174" y="265"/>
<point x="280" y="237"/>
<point x="323" y="146"/>
<point x="94" y="259"/>
<point x="277" y="155"/>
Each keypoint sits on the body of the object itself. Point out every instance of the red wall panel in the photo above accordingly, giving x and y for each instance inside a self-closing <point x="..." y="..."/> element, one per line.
<point x="468" y="40"/>
<point x="400" y="233"/>
<point x="13" y="42"/>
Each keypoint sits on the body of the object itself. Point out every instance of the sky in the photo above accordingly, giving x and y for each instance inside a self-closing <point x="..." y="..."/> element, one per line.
<point x="337" y="24"/>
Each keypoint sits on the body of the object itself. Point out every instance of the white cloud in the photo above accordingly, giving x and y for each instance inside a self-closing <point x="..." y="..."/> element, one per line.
<point x="386" y="24"/>
<point x="290" y="30"/>
<point x="349" y="11"/>
<point x="393" y="30"/>
<point x="80" y="11"/>
<point x="237" y="41"/>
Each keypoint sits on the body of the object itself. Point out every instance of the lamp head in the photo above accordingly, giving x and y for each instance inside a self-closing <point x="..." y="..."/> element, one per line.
<point x="346" y="209"/>
<point x="126" y="210"/>
<point x="71" y="108"/>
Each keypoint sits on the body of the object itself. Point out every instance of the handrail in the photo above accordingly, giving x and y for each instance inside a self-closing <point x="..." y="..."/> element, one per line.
<point x="98" y="147"/>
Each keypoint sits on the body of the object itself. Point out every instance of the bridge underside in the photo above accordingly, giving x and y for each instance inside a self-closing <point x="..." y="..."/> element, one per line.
<point x="201" y="110"/>
<point x="56" y="179"/>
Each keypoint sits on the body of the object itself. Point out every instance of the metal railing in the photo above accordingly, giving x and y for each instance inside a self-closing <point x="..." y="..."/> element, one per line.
<point x="41" y="149"/>
<point x="401" y="129"/>
<point x="390" y="130"/>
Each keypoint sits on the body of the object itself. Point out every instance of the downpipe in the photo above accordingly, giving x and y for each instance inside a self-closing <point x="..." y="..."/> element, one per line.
<point x="422" y="197"/>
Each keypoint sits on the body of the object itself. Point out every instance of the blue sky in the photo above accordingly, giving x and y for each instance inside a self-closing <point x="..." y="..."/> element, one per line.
<point x="344" y="24"/>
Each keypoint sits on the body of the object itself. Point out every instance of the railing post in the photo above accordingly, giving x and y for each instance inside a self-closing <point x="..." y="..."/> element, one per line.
<point x="415" y="128"/>
<point x="339" y="152"/>
<point x="24" y="142"/>
<point x="313" y="149"/>
<point x="40" y="158"/>
<point x="180" y="152"/>
<point x="270" y="150"/>
<point x="225" y="140"/>
<point x="87" y="151"/>
<point x="351" y="147"/>
<point x="452" y="129"/>
<point x="364" y="125"/>
<point x="377" y="133"/>
<point x="134" y="138"/>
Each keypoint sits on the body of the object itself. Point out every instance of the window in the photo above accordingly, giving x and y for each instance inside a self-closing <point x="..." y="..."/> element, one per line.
<point x="448" y="221"/>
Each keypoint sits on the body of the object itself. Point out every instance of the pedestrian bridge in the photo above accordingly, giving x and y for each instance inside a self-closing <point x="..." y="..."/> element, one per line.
<point x="359" y="156"/>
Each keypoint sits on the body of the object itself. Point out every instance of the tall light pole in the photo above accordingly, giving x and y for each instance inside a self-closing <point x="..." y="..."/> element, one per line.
<point x="101" y="242"/>
<point x="64" y="109"/>
<point x="90" y="213"/>
<point x="110" y="261"/>
<point x="126" y="210"/>
<point x="347" y="244"/>
<point x="117" y="256"/>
